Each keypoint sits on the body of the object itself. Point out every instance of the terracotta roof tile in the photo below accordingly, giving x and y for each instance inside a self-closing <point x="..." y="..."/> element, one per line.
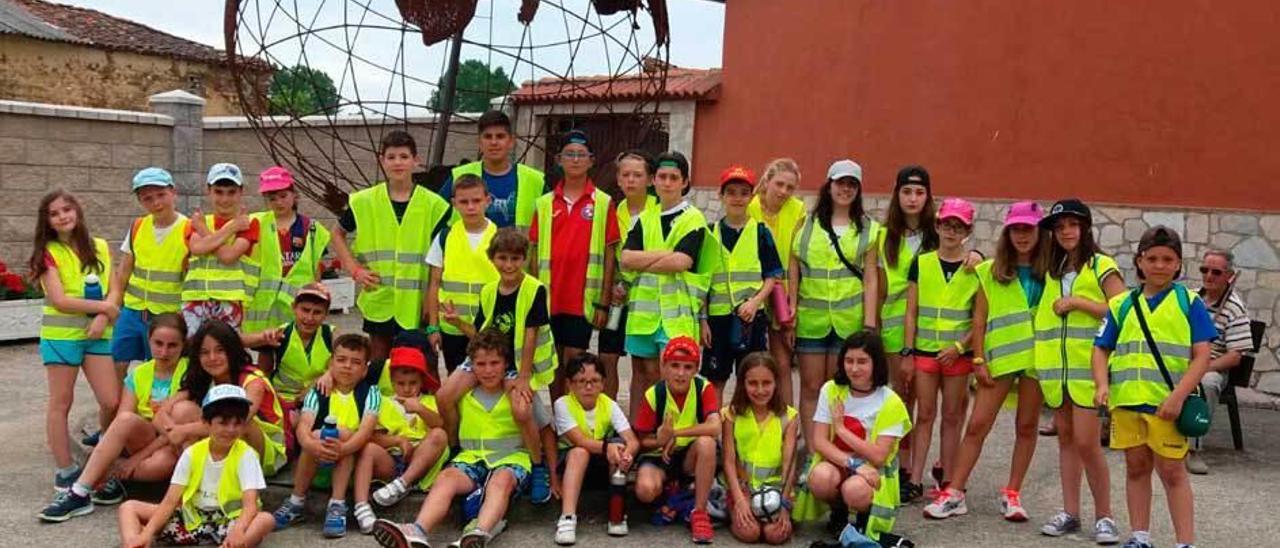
<point x="681" y="84"/>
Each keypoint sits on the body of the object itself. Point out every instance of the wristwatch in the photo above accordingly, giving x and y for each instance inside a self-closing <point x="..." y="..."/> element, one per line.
<point x="906" y="352"/>
<point x="979" y="360"/>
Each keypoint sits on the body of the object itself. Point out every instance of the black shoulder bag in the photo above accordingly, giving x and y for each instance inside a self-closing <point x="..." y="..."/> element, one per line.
<point x="1193" y="420"/>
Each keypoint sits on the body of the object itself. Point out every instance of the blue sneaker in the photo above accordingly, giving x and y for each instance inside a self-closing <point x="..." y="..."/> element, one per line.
<point x="471" y="505"/>
<point x="540" y="484"/>
<point x="91" y="440"/>
<point x="335" y="520"/>
<point x="112" y="492"/>
<point x="287" y="514"/>
<point x="62" y="483"/>
<point x="66" y="506"/>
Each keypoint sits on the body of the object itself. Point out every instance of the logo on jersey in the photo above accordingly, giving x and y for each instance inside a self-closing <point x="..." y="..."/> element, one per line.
<point x="588" y="212"/>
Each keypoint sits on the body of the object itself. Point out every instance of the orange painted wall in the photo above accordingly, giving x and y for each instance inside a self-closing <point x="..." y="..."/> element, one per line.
<point x="1159" y="102"/>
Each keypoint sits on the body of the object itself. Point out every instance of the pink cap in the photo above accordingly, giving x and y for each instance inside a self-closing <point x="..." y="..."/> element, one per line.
<point x="957" y="208"/>
<point x="273" y="179"/>
<point x="1023" y="213"/>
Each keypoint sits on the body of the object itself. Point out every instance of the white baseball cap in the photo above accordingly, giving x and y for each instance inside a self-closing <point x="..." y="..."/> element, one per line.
<point x="224" y="172"/>
<point x="844" y="168"/>
<point x="224" y="392"/>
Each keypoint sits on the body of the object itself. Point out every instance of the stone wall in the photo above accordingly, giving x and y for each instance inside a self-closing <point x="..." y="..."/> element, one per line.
<point x="1253" y="238"/>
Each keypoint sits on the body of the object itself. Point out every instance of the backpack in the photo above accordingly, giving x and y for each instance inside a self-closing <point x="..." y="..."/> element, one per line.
<point x="326" y="335"/>
<point x="1180" y="292"/>
<point x="361" y="393"/>
<point x="660" y="398"/>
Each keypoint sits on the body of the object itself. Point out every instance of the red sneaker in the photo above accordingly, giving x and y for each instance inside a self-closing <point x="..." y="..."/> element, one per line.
<point x="700" y="526"/>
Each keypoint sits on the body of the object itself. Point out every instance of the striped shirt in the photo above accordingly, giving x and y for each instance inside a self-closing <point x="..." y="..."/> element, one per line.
<point x="1231" y="319"/>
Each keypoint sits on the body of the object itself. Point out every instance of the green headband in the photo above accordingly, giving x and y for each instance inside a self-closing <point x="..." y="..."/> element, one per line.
<point x="669" y="163"/>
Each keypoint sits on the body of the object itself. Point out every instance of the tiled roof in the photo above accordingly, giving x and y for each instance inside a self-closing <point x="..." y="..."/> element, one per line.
<point x="681" y="84"/>
<point x="62" y="23"/>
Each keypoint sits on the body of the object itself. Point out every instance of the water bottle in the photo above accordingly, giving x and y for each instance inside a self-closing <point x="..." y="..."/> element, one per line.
<point x="615" y="317"/>
<point x="617" y="493"/>
<point x="92" y="289"/>
<point x="329" y="432"/>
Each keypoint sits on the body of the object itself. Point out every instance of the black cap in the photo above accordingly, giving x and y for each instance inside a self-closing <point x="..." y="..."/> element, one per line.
<point x="912" y="175"/>
<point x="576" y="136"/>
<point x="1069" y="206"/>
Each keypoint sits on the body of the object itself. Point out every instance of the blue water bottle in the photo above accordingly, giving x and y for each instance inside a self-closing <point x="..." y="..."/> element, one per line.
<point x="329" y="432"/>
<point x="92" y="288"/>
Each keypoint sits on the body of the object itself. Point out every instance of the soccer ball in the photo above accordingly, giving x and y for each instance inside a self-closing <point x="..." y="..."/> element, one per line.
<point x="766" y="503"/>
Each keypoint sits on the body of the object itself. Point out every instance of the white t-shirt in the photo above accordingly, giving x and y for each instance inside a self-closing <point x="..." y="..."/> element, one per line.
<point x="839" y="229"/>
<point x="914" y="239"/>
<point x="206" y="497"/>
<point x="565" y="422"/>
<point x="1068" y="280"/>
<point x="161" y="233"/>
<point x="435" y="256"/>
<point x="862" y="408"/>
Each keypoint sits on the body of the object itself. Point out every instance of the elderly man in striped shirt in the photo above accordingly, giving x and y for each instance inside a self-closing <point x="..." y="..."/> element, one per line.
<point x="1233" y="340"/>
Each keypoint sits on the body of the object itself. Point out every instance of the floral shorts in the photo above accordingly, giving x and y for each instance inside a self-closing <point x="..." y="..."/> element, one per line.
<point x="197" y="312"/>
<point x="213" y="529"/>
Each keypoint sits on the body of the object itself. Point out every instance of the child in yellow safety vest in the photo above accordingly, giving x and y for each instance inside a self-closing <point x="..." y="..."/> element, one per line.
<point x="460" y="267"/>
<point x="595" y="441"/>
<point x="939" y="332"/>
<point x="678" y="423"/>
<point x="222" y="273"/>
<point x="746" y="267"/>
<point x="493" y="462"/>
<point x="136" y="431"/>
<point x="213" y="496"/>
<point x="1003" y="341"/>
<point x="776" y="207"/>
<point x="858" y="424"/>
<point x="516" y="306"/>
<point x="391" y="225"/>
<point x="1079" y="280"/>
<point x="1147" y="361"/>
<point x="74" y="270"/>
<point x="409" y="443"/>
<point x="351" y="409"/>
<point x="760" y="432"/>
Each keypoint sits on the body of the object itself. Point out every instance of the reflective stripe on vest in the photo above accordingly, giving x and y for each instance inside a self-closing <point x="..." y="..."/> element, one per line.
<point x="544" y="354"/>
<point x="490" y="435"/>
<point x="1065" y="344"/>
<point x="830" y="296"/>
<point x="1135" y="377"/>
<point x="944" y="311"/>
<point x="669" y="301"/>
<point x="737" y="276"/>
<point x="624" y="228"/>
<point x="603" y="427"/>
<point x="686" y="415"/>
<point x="530" y="184"/>
<point x="156" y="282"/>
<point x="759" y="448"/>
<point x="208" y="279"/>
<point x="272" y="301"/>
<point x="299" y="367"/>
<point x="57" y="325"/>
<point x="893" y="311"/>
<point x="465" y="273"/>
<point x="230" y="498"/>
<point x="144" y="375"/>
<point x="394" y="251"/>
<point x="595" y="250"/>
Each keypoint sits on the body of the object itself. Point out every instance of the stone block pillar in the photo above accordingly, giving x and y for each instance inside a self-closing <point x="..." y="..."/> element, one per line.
<point x="187" y="141"/>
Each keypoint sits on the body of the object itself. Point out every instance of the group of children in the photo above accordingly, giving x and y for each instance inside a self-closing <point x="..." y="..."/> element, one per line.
<point x="508" y="281"/>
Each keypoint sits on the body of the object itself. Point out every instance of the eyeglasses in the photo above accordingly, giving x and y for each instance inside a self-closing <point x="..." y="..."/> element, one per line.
<point x="1205" y="271"/>
<point x="575" y="155"/>
<point x="589" y="382"/>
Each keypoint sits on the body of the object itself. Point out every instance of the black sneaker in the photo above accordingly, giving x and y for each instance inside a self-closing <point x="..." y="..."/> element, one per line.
<point x="909" y="492"/>
<point x="91" y="440"/>
<point x="66" y="506"/>
<point x="111" y="493"/>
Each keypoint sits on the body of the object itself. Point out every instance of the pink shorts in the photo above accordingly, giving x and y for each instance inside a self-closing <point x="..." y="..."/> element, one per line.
<point x="960" y="367"/>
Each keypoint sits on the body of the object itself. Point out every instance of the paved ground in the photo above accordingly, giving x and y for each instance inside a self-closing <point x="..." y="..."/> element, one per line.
<point x="1233" y="503"/>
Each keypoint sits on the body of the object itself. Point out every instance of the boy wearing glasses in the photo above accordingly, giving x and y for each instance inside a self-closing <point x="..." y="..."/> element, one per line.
<point x="575" y="236"/>
<point x="1232" y="340"/>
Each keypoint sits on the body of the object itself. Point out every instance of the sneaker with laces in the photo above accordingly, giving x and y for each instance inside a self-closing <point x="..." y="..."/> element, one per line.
<point x="1061" y="524"/>
<point x="335" y="520"/>
<point x="112" y="492"/>
<point x="567" y="530"/>
<point x="700" y="527"/>
<point x="365" y="518"/>
<point x="910" y="492"/>
<point x="1011" y="506"/>
<point x="1135" y="543"/>
<point x="391" y="493"/>
<point x="1196" y="464"/>
<point x="66" y="505"/>
<point x="539" y="484"/>
<point x="1105" y="531"/>
<point x="948" y="503"/>
<point x="91" y="440"/>
<point x="390" y="534"/>
<point x="62" y="482"/>
<point x="287" y="514"/>
<point x="618" y="529"/>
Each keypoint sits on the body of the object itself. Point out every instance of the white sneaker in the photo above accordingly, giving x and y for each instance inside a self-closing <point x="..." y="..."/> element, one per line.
<point x="365" y="517"/>
<point x="567" y="530"/>
<point x="947" y="504"/>
<point x="391" y="493"/>
<point x="1011" y="506"/>
<point x="618" y="529"/>
<point x="1105" y="531"/>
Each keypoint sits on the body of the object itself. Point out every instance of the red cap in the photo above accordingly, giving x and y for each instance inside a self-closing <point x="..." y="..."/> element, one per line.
<point x="409" y="358"/>
<point x="737" y="173"/>
<point x="682" y="349"/>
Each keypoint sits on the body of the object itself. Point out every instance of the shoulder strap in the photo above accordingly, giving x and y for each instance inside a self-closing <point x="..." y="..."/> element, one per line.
<point x="1184" y="299"/>
<point x="698" y="385"/>
<point x="1151" y="342"/>
<point x="835" y="244"/>
<point x="660" y="400"/>
<point x="322" y="410"/>
<point x="133" y="234"/>
<point x="362" y="392"/>
<point x="279" y="351"/>
<point x="326" y="335"/>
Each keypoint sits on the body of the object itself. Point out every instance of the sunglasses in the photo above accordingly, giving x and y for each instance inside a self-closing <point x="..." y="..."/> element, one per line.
<point x="1205" y="271"/>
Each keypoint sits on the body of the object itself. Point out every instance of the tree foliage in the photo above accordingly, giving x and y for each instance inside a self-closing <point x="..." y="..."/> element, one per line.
<point x="477" y="85"/>
<point x="301" y="91"/>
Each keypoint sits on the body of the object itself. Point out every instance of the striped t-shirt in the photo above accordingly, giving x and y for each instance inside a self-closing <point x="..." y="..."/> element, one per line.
<point x="1231" y="320"/>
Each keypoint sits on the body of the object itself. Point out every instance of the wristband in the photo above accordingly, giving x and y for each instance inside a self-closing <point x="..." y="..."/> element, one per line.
<point x="853" y="463"/>
<point x="600" y="307"/>
<point x="979" y="361"/>
<point x="431" y="329"/>
<point x="906" y="352"/>
<point x="959" y="347"/>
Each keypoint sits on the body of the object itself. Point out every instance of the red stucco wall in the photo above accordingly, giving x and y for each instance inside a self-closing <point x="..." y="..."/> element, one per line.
<point x="1169" y="102"/>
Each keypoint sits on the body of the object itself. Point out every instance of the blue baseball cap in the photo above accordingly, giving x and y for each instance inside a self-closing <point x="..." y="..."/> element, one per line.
<point x="224" y="172"/>
<point x="152" y="176"/>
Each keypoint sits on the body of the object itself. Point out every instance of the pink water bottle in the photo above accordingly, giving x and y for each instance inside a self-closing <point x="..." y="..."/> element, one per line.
<point x="781" y="308"/>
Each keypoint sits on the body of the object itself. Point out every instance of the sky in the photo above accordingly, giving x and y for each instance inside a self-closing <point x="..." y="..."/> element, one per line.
<point x="556" y="43"/>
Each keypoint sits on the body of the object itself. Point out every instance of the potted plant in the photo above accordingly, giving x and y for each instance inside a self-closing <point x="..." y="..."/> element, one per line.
<point x="20" y="304"/>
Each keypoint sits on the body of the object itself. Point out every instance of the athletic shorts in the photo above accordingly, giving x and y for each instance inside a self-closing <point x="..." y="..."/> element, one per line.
<point x="673" y="469"/>
<point x="647" y="346"/>
<point x="597" y="467"/>
<point x="960" y="367"/>
<point x="829" y="344"/>
<point x="1131" y="429"/>
<point x="72" y="352"/>
<point x="479" y="473"/>
<point x="388" y="329"/>
<point x="129" y="336"/>
<point x="719" y="363"/>
<point x="213" y="529"/>
<point x="572" y="331"/>
<point x="615" y="342"/>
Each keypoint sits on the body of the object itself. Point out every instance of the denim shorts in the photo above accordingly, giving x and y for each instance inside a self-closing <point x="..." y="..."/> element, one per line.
<point x="479" y="473"/>
<point x="72" y="352"/>
<point x="647" y="346"/>
<point x="829" y="344"/>
<point x="129" y="336"/>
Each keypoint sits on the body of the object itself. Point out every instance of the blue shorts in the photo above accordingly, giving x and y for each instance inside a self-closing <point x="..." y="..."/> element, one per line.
<point x="72" y="352"/>
<point x="647" y="346"/>
<point x="129" y="339"/>
<point x="479" y="473"/>
<point x="829" y="344"/>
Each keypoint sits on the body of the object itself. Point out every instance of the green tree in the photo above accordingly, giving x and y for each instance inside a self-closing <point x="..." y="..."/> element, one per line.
<point x="477" y="84"/>
<point x="300" y="91"/>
